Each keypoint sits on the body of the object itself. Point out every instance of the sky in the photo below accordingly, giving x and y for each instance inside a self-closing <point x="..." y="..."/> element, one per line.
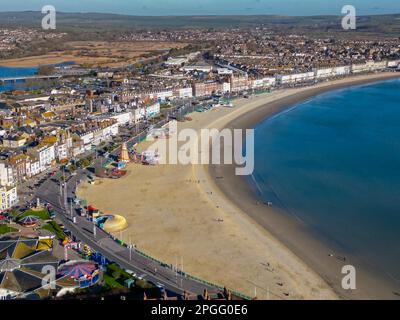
<point x="207" y="7"/>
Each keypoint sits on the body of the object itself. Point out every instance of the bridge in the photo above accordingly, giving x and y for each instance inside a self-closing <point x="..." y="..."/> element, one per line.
<point x="24" y="78"/>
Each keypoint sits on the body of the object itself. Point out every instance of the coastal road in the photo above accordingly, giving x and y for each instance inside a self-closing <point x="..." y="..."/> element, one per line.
<point x="83" y="230"/>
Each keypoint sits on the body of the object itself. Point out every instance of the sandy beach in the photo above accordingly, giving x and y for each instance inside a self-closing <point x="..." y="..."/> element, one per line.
<point x="215" y="228"/>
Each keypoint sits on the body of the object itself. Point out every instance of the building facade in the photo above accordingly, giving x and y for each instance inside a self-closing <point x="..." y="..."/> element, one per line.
<point x="8" y="198"/>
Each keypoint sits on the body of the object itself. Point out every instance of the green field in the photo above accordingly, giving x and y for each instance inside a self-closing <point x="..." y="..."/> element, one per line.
<point x="54" y="228"/>
<point x="114" y="277"/>
<point x="111" y="282"/>
<point x="4" y="229"/>
<point x="41" y="214"/>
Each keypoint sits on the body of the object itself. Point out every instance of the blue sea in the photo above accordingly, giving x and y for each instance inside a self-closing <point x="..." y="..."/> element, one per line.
<point x="334" y="162"/>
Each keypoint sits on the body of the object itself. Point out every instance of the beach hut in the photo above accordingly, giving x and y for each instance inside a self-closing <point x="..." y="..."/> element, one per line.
<point x="90" y="208"/>
<point x="93" y="211"/>
<point x="124" y="155"/>
<point x="29" y="221"/>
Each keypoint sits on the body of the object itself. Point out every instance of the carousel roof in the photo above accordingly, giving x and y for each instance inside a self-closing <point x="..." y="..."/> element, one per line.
<point x="29" y="220"/>
<point x="78" y="270"/>
<point x="21" y="265"/>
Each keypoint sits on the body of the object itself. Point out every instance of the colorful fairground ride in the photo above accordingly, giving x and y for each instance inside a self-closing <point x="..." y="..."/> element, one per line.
<point x="84" y="273"/>
<point x="108" y="222"/>
<point x="148" y="157"/>
<point x="115" y="169"/>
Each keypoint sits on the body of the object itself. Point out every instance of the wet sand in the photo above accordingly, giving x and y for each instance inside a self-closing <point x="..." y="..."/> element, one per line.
<point x="183" y="215"/>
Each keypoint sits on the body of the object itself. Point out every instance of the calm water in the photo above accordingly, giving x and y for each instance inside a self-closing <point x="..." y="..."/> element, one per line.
<point x="334" y="162"/>
<point x="12" y="72"/>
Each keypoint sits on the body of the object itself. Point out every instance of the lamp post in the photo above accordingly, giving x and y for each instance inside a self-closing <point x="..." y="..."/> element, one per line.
<point x="94" y="227"/>
<point x="130" y="248"/>
<point x="181" y="272"/>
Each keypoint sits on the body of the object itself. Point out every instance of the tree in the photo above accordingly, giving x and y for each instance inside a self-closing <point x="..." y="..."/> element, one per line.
<point x="83" y="163"/>
<point x="45" y="70"/>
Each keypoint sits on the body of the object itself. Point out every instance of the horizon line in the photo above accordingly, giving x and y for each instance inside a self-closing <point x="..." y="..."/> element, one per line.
<point x="203" y="15"/>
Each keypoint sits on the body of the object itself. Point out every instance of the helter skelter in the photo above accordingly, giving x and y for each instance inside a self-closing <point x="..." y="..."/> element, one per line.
<point x="124" y="156"/>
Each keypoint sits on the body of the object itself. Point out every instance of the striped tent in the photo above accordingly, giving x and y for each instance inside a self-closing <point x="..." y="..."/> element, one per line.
<point x="78" y="270"/>
<point x="29" y="221"/>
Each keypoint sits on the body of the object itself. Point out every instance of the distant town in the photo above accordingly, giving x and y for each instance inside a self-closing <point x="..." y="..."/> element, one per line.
<point x="83" y="108"/>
